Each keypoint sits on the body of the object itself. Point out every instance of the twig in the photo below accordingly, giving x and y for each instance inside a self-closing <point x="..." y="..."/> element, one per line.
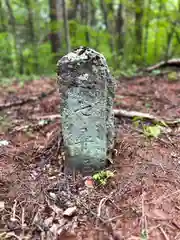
<point x="163" y="233"/>
<point x="176" y="225"/>
<point x="23" y="225"/>
<point x="177" y="236"/>
<point x="178" y="208"/>
<point x="13" y="218"/>
<point x="153" y="228"/>
<point x="144" y="220"/>
<point x="11" y="234"/>
<point x="101" y="204"/>
<point x="22" y="218"/>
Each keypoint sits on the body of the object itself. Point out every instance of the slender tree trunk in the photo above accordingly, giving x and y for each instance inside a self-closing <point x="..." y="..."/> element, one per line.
<point x="139" y="4"/>
<point x="173" y="31"/>
<point x="18" y="49"/>
<point x="168" y="51"/>
<point x="66" y="26"/>
<point x="119" y="29"/>
<point x="6" y="62"/>
<point x="105" y="9"/>
<point x="146" y="37"/>
<point x="32" y="33"/>
<point x="157" y="28"/>
<point x="54" y="34"/>
<point x="93" y="20"/>
<point x="86" y="18"/>
<point x="82" y="12"/>
<point x="2" y="18"/>
<point x="73" y="9"/>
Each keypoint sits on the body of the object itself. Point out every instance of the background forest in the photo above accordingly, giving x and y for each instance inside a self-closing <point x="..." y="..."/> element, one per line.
<point x="131" y="34"/>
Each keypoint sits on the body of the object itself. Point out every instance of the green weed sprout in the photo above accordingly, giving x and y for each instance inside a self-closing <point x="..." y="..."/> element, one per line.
<point x="102" y="176"/>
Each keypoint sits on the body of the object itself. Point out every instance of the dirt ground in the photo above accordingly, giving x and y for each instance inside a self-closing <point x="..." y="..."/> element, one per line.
<point x="141" y="201"/>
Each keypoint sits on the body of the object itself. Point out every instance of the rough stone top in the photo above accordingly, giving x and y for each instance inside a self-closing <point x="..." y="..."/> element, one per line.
<point x="83" y="55"/>
<point x="86" y="68"/>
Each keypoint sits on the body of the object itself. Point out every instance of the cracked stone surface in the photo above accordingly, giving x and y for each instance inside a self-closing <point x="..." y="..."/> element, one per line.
<point x="87" y="92"/>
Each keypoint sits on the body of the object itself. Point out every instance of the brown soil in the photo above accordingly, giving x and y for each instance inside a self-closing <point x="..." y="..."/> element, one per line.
<point x="142" y="197"/>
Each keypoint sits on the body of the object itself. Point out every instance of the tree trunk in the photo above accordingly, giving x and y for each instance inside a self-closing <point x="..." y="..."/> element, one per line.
<point x="172" y="31"/>
<point x="147" y="30"/>
<point x="18" y="49"/>
<point x="66" y="26"/>
<point x="54" y="34"/>
<point x="32" y="34"/>
<point x="104" y="9"/>
<point x="86" y="18"/>
<point x="93" y="20"/>
<point x="2" y="18"/>
<point x="156" y="30"/>
<point x="73" y="9"/>
<point x="119" y="29"/>
<point x="88" y="22"/>
<point x="168" y="51"/>
<point x="138" y="25"/>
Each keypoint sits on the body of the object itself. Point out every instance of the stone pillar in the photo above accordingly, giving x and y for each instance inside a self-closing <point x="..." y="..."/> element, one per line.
<point x="87" y="92"/>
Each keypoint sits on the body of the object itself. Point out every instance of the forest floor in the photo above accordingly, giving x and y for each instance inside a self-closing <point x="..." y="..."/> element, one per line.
<point x="143" y="197"/>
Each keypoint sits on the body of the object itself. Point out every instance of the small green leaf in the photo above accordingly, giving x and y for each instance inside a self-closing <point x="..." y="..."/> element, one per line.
<point x="156" y="72"/>
<point x="144" y="235"/>
<point x="147" y="105"/>
<point x="163" y="123"/>
<point x="102" y="176"/>
<point x="172" y="76"/>
<point x="152" y="131"/>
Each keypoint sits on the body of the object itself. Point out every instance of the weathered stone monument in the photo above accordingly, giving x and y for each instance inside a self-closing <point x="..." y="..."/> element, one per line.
<point x="87" y="92"/>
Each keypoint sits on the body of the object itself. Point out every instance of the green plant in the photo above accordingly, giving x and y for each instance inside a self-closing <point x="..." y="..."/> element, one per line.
<point x="137" y="121"/>
<point x="144" y="235"/>
<point x="156" y="72"/>
<point x="149" y="130"/>
<point x="152" y="131"/>
<point x="102" y="176"/>
<point x="172" y="76"/>
<point x="147" y="105"/>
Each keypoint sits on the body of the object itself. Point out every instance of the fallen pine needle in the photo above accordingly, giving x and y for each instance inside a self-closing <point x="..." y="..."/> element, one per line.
<point x="163" y="233"/>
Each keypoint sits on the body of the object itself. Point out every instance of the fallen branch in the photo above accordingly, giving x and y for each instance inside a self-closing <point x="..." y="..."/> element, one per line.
<point x="21" y="102"/>
<point x="175" y="62"/>
<point x="131" y="114"/>
<point x="121" y="113"/>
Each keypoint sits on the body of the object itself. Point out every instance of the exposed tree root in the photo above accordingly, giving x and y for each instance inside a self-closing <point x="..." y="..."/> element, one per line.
<point x="131" y="114"/>
<point x="175" y="62"/>
<point x="123" y="113"/>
